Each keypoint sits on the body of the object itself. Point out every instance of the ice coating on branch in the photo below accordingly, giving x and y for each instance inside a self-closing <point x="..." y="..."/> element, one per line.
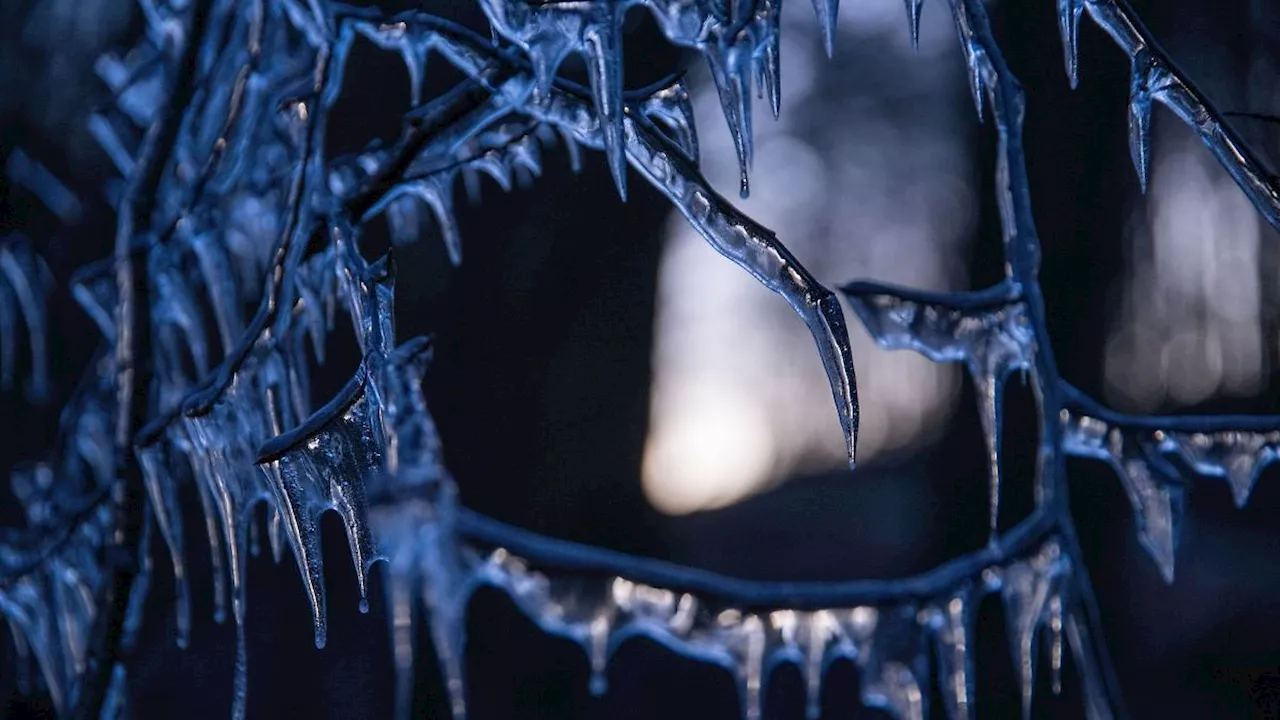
<point x="1151" y="69"/>
<point x="49" y="572"/>
<point x="247" y="193"/>
<point x="988" y="330"/>
<point x="1150" y="454"/>
<point x="732" y="44"/>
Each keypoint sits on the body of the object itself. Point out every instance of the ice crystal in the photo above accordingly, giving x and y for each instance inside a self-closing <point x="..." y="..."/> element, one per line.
<point x="231" y="202"/>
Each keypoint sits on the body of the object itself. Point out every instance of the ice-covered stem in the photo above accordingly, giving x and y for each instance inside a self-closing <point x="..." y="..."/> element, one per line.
<point x="132" y="358"/>
<point x="567" y="556"/>
<point x="1155" y="77"/>
<point x="734" y="235"/>
<point x="669" y="167"/>
<point x="987" y="68"/>
<point x="1157" y="457"/>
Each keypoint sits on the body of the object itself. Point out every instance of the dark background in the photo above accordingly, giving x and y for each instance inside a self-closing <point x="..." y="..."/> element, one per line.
<point x="541" y="392"/>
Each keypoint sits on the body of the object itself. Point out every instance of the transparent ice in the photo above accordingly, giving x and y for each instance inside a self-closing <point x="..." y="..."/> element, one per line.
<point x="230" y="201"/>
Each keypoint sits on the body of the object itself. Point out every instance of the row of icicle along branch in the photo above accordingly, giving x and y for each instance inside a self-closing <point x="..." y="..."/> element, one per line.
<point x="243" y="191"/>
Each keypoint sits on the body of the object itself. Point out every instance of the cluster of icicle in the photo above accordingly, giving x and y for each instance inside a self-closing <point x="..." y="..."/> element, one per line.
<point x="255" y="249"/>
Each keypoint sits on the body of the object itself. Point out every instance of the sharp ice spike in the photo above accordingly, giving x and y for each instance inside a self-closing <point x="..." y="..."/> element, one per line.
<point x="1140" y="116"/>
<point x="1069" y="29"/>
<point x="913" y="17"/>
<point x="602" y="46"/>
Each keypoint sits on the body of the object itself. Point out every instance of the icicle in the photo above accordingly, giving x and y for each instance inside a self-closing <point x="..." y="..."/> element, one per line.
<point x="400" y="614"/>
<point x="1159" y="507"/>
<point x="827" y="11"/>
<point x="437" y="193"/>
<point x="822" y="627"/>
<point x="115" y="706"/>
<point x="989" y="330"/>
<point x="990" y="389"/>
<point x="1084" y="651"/>
<point x="496" y="165"/>
<point x="240" y="674"/>
<point x="974" y="57"/>
<point x="895" y="663"/>
<point x="44" y="185"/>
<point x="1069" y="28"/>
<point x="1026" y="588"/>
<point x="571" y="146"/>
<point x="771" y="72"/>
<point x="750" y="670"/>
<point x="1140" y="115"/>
<point x="220" y="287"/>
<point x="163" y="493"/>
<point x="255" y="541"/>
<point x="215" y="552"/>
<point x="28" y="280"/>
<point x="527" y="153"/>
<point x="602" y="49"/>
<point x="317" y="466"/>
<point x="1055" y="635"/>
<point x="913" y="18"/>
<point x="1157" y="497"/>
<point x="952" y="632"/>
<point x="1235" y="455"/>
<point x="598" y="652"/>
<point x="731" y="70"/>
<point x="109" y="140"/>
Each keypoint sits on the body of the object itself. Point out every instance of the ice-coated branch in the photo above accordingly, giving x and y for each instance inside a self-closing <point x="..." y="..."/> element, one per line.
<point x="251" y="213"/>
<point x="669" y="167"/>
<point x="107" y="648"/>
<point x="1000" y="329"/>
<point x="1155" y="78"/>
<point x="1157" y="456"/>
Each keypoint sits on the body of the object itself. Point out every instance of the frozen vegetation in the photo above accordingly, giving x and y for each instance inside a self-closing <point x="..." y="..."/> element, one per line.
<point x="230" y="202"/>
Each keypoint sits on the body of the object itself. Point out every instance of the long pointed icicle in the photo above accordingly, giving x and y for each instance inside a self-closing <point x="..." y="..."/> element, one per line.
<point x="1069" y="29"/>
<point x="1157" y="498"/>
<point x="602" y="47"/>
<point x="1140" y="116"/>
<point x="1143" y="450"/>
<point x="953" y="626"/>
<point x="731" y="71"/>
<point x="162" y="490"/>
<point x="827" y="12"/>
<point x="988" y="330"/>
<point x="913" y="20"/>
<point x="1026" y="588"/>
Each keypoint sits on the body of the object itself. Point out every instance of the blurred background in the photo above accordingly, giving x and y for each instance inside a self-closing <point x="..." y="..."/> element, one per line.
<point x="602" y="375"/>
